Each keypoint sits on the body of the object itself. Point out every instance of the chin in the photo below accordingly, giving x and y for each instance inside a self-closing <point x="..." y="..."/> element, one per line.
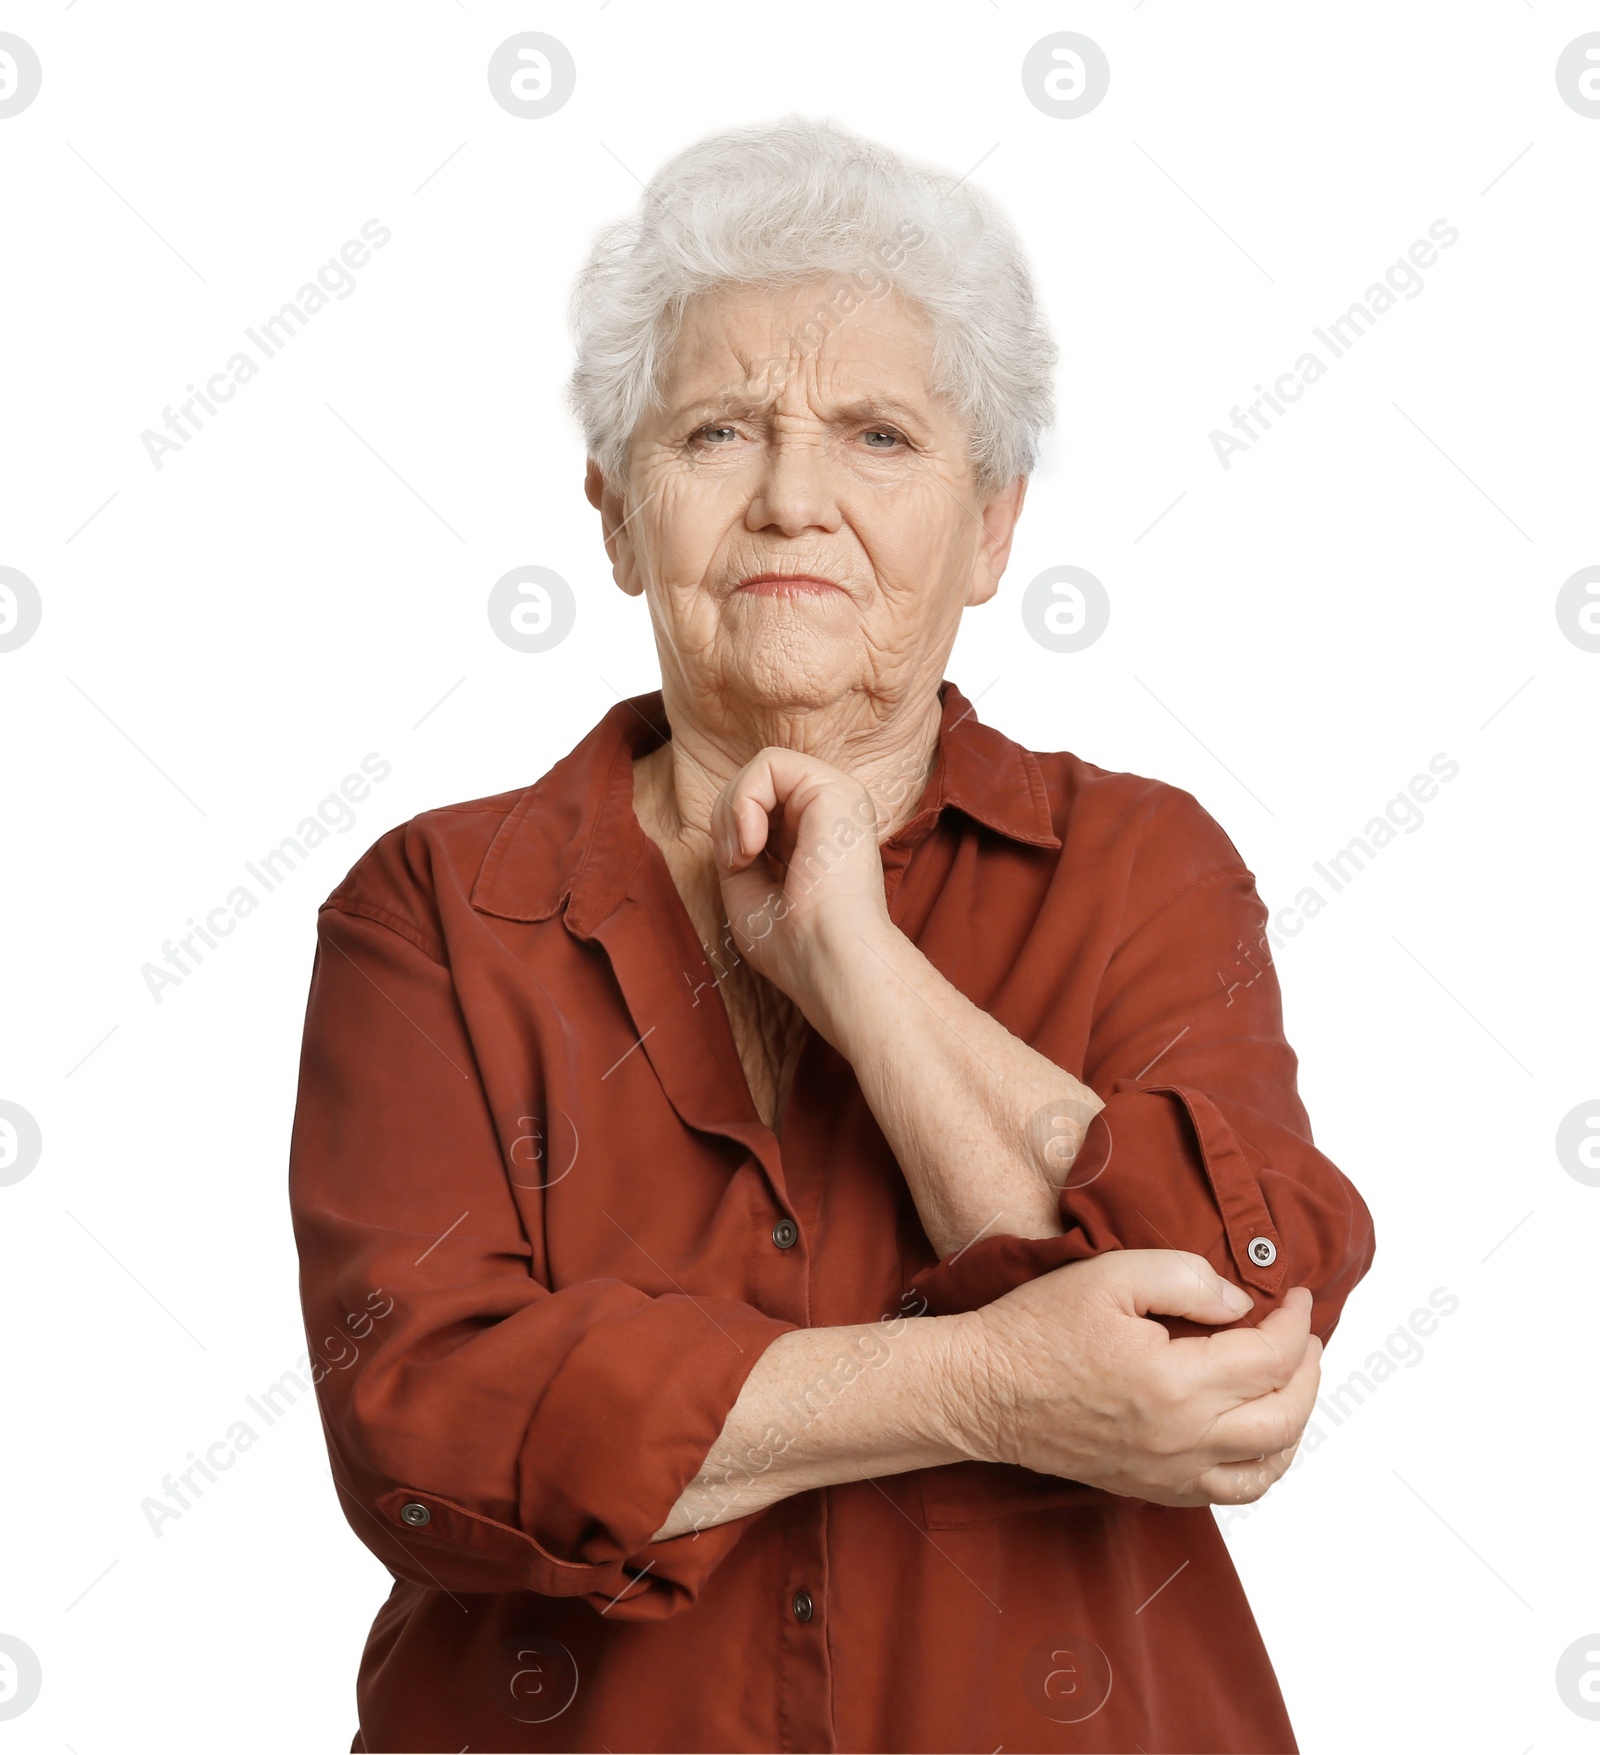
<point x="783" y="673"/>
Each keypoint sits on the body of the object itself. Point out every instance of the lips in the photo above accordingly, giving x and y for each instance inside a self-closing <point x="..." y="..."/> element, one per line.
<point x="787" y="585"/>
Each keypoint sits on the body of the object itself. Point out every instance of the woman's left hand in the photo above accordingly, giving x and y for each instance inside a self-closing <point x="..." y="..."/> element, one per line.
<point x="802" y="882"/>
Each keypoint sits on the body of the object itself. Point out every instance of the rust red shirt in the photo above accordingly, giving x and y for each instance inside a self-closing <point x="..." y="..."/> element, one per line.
<point x="543" y="1243"/>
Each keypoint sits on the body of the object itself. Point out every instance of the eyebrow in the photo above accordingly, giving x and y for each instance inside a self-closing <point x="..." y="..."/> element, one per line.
<point x="869" y="406"/>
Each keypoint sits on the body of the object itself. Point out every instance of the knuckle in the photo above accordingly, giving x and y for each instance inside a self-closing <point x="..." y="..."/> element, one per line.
<point x="1161" y="1393"/>
<point x="1166" y="1430"/>
<point x="1162" y="1442"/>
<point x="1281" y="1369"/>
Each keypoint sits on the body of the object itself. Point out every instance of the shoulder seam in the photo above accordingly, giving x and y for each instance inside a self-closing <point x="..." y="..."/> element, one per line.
<point x="390" y="921"/>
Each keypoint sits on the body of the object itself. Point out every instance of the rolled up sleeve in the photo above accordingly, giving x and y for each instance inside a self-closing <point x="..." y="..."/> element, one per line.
<point x="487" y="1433"/>
<point x="1203" y="1143"/>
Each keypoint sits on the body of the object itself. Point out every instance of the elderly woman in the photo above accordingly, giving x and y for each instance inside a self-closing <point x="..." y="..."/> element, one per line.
<point x="805" y="1208"/>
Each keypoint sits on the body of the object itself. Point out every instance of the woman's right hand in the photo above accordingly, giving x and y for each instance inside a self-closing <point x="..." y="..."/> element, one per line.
<point x="1067" y="1375"/>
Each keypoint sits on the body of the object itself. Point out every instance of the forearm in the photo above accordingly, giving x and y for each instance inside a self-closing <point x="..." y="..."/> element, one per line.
<point x="984" y="1128"/>
<point x="826" y="1405"/>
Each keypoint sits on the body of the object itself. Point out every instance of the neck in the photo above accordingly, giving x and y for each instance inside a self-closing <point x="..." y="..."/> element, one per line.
<point x="889" y="748"/>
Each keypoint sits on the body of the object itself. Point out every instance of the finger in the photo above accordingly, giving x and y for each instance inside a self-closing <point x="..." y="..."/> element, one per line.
<point x="1242" y="1483"/>
<point x="1249" y="1362"/>
<point x="741" y="815"/>
<point x="754" y="905"/>
<point x="1269" y="1422"/>
<point x="754" y="826"/>
<point x="741" y="818"/>
<point x="1175" y="1282"/>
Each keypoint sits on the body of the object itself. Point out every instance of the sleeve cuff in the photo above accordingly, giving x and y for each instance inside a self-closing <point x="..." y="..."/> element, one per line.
<point x="1133" y="1185"/>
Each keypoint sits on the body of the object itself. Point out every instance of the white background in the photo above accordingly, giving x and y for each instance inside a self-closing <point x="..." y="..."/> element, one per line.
<point x="1291" y="639"/>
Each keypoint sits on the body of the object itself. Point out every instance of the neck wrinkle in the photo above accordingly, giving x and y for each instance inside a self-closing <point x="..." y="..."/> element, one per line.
<point x="683" y="776"/>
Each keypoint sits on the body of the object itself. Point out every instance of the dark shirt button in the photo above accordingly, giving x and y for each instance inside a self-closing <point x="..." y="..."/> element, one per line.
<point x="415" y="1513"/>
<point x="786" y="1233"/>
<point x="802" y="1605"/>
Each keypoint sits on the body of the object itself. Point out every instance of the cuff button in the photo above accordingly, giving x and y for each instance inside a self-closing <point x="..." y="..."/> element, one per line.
<point x="413" y="1513"/>
<point x="1262" y="1251"/>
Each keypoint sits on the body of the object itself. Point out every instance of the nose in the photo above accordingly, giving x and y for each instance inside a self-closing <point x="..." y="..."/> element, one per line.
<point x="794" y="489"/>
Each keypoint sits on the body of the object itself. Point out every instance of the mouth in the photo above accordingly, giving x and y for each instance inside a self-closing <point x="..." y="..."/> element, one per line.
<point x="787" y="585"/>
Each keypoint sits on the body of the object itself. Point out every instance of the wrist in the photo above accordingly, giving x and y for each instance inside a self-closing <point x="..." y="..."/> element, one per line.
<point x="970" y="1388"/>
<point x="859" y="961"/>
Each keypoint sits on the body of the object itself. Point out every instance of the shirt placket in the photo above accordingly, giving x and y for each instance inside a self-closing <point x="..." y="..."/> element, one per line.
<point x="683" y="1029"/>
<point x="670" y="991"/>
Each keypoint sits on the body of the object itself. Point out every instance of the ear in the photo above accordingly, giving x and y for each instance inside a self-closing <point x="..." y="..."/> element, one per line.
<point x="619" y="546"/>
<point x="998" y="515"/>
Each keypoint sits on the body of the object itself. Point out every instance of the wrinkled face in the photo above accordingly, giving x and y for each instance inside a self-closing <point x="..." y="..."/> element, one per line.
<point x="800" y="513"/>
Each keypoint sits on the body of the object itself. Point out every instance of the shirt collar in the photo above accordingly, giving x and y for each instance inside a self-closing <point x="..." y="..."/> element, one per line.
<point x="573" y="835"/>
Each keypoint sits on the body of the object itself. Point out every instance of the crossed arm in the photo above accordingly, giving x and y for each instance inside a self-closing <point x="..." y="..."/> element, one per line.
<point x="1064" y="1374"/>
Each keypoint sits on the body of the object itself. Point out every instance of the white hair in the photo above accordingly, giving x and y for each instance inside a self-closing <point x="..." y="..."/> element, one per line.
<point x="792" y="201"/>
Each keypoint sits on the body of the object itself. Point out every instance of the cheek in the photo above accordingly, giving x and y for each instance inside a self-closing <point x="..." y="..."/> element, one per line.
<point x="685" y="524"/>
<point x="696" y="530"/>
<point x="921" y="556"/>
<point x="922" y="527"/>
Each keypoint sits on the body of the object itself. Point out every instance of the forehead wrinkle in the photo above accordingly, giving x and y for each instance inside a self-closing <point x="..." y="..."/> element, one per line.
<point x="857" y="405"/>
<point x="753" y="376"/>
<point x="740" y="335"/>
